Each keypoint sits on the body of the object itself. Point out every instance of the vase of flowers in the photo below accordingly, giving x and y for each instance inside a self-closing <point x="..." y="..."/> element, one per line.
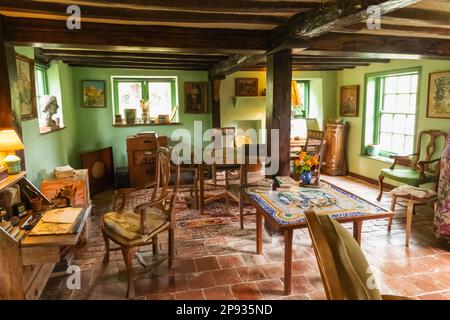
<point x="145" y="109"/>
<point x="304" y="165"/>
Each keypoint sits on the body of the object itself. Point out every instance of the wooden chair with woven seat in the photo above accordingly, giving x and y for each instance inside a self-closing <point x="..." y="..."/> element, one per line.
<point x="343" y="267"/>
<point x="249" y="174"/>
<point x="140" y="227"/>
<point x="419" y="170"/>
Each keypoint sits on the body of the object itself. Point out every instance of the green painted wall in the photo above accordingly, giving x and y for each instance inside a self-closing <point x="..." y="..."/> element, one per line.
<point x="370" y="167"/>
<point x="95" y="129"/>
<point x="45" y="151"/>
<point x="322" y="97"/>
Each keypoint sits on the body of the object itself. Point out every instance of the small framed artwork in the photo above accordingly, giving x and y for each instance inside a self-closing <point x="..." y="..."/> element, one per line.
<point x="349" y="105"/>
<point x="246" y="87"/>
<point x="196" y="97"/>
<point x="27" y="88"/>
<point x="439" y="95"/>
<point x="93" y="93"/>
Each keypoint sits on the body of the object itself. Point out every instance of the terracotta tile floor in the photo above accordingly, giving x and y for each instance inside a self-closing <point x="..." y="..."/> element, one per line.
<point x="216" y="260"/>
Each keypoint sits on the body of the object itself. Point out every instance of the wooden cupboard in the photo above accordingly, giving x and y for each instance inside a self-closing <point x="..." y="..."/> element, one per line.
<point x="336" y="151"/>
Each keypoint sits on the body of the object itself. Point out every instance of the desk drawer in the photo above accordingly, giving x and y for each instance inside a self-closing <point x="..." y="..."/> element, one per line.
<point x="36" y="255"/>
<point x="33" y="292"/>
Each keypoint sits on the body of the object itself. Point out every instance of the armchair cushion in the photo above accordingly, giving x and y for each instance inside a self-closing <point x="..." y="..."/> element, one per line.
<point x="351" y="264"/>
<point x="124" y="228"/>
<point x="407" y="176"/>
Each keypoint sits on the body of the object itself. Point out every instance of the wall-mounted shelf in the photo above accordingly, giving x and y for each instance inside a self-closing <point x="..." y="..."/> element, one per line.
<point x="247" y="100"/>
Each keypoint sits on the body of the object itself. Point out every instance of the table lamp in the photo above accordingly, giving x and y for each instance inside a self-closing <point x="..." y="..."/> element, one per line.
<point x="9" y="143"/>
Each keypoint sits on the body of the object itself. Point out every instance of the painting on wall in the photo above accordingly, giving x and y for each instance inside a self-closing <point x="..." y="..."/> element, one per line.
<point x="93" y="92"/>
<point x="246" y="87"/>
<point x="26" y="86"/>
<point x="439" y="95"/>
<point x="196" y="97"/>
<point x="349" y="101"/>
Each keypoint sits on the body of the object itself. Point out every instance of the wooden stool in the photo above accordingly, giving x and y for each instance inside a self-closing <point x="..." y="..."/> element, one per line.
<point x="412" y="201"/>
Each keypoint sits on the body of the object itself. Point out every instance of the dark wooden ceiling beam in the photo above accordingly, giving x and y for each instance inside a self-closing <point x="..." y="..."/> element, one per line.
<point x="202" y="5"/>
<point x="301" y="58"/>
<point x="136" y="66"/>
<point x="233" y="64"/>
<point x="396" y="29"/>
<point x="118" y="14"/>
<point x="419" y="15"/>
<point x="137" y="62"/>
<point x="162" y="39"/>
<point x="337" y="15"/>
<point x="134" y="55"/>
<point x="372" y="46"/>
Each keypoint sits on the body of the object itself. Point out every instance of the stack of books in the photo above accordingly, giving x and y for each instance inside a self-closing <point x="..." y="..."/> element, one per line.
<point x="64" y="172"/>
<point x="265" y="185"/>
<point x="285" y="183"/>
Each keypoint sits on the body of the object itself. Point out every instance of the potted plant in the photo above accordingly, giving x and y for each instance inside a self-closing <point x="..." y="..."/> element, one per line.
<point x="304" y="165"/>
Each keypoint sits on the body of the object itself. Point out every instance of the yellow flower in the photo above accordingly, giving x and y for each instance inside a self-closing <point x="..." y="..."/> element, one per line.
<point x="297" y="162"/>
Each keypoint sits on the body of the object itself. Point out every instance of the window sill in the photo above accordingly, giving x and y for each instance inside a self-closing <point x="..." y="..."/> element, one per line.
<point x="125" y="125"/>
<point x="50" y="131"/>
<point x="378" y="158"/>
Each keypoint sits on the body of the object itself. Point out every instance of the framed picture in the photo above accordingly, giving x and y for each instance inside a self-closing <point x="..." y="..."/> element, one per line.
<point x="246" y="87"/>
<point x="93" y="93"/>
<point x="349" y="105"/>
<point x="439" y="95"/>
<point x="27" y="88"/>
<point x="196" y="97"/>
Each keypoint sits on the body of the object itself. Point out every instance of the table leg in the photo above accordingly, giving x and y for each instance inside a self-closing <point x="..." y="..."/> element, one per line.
<point x="288" y="261"/>
<point x="357" y="229"/>
<point x="201" y="179"/>
<point x="259" y="233"/>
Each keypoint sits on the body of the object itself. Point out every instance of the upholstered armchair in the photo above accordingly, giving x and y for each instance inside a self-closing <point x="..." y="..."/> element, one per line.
<point x="416" y="170"/>
<point x="131" y="229"/>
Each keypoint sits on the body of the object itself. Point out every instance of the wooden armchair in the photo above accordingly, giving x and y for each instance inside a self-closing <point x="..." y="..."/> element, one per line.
<point x="419" y="171"/>
<point x="343" y="267"/>
<point x="132" y="229"/>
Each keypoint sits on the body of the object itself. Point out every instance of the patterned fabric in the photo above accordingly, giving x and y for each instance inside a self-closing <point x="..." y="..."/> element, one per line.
<point x="125" y="227"/>
<point x="287" y="207"/>
<point x="442" y="217"/>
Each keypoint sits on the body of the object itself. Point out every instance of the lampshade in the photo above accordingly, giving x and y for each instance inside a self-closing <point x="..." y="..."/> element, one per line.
<point x="295" y="96"/>
<point x="10" y="141"/>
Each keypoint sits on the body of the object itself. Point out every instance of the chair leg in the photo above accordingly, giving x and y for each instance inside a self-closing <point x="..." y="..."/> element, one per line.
<point x="241" y="211"/>
<point x="155" y="245"/>
<point x="380" y="186"/>
<point x="128" y="254"/>
<point x="195" y="190"/>
<point x="409" y="214"/>
<point x="105" y="237"/>
<point x="171" y="246"/>
<point x="393" y="203"/>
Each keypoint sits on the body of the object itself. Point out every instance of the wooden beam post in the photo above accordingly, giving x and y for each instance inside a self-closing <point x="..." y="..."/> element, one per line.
<point x="278" y="111"/>
<point x="215" y="104"/>
<point x="5" y="89"/>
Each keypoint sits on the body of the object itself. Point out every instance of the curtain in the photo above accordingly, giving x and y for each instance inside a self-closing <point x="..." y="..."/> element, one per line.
<point x="295" y="95"/>
<point x="442" y="215"/>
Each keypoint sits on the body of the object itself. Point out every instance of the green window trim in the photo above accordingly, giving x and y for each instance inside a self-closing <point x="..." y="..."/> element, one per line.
<point x="379" y="78"/>
<point x="43" y="69"/>
<point x="306" y="93"/>
<point x="144" y="89"/>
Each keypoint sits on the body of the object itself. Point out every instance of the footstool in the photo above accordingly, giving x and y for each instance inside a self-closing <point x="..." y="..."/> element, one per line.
<point x="414" y="196"/>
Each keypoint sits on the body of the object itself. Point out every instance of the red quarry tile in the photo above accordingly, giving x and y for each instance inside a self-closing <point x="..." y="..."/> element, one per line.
<point x="173" y="283"/>
<point x="230" y="261"/>
<point x="433" y="296"/>
<point x="190" y="295"/>
<point x="301" y="285"/>
<point x="219" y="293"/>
<point x="184" y="266"/>
<point x="246" y="291"/>
<point x="200" y="280"/>
<point x="298" y="297"/>
<point x="302" y="267"/>
<point x="227" y="276"/>
<point x="207" y="263"/>
<point x="164" y="296"/>
<point x="271" y="289"/>
<point x="273" y="270"/>
<point x="253" y="259"/>
<point x="252" y="273"/>
<point x="426" y="282"/>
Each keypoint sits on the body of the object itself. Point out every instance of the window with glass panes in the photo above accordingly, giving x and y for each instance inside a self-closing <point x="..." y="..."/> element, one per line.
<point x="160" y="93"/>
<point x="395" y="112"/>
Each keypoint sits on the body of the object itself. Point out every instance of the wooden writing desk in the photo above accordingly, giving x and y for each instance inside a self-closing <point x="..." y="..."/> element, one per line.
<point x="26" y="263"/>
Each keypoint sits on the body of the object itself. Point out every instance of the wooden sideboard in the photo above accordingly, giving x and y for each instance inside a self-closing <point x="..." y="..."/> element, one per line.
<point x="336" y="151"/>
<point x="141" y="152"/>
<point x="26" y="261"/>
